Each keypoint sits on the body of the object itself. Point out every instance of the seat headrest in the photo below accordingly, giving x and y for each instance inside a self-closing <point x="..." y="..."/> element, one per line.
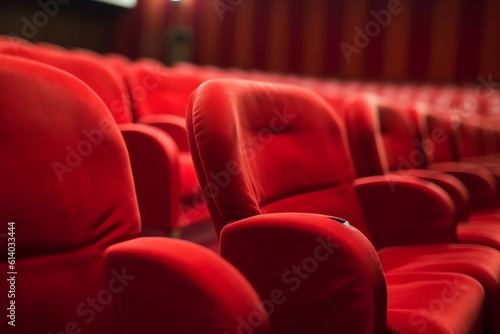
<point x="66" y="177"/>
<point x="381" y="135"/>
<point x="156" y="89"/>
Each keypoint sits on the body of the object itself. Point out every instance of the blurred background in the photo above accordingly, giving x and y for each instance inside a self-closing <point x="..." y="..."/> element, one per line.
<point x="421" y="40"/>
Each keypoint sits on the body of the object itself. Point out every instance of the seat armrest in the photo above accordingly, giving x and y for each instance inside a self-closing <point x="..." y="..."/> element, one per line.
<point x="402" y="211"/>
<point x="480" y="183"/>
<point x="163" y="285"/>
<point x="313" y="273"/>
<point x="154" y="157"/>
<point x="175" y="126"/>
<point x="453" y="187"/>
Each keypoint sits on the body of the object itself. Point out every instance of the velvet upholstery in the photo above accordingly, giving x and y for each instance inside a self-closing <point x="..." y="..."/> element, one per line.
<point x="479" y="173"/>
<point x="66" y="160"/>
<point x="387" y="132"/>
<point x="67" y="184"/>
<point x="181" y="287"/>
<point x="261" y="148"/>
<point x="104" y="80"/>
<point x="159" y="96"/>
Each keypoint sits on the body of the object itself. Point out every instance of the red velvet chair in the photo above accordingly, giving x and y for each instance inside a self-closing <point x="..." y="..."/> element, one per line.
<point x="261" y="148"/>
<point x="154" y="157"/>
<point x="67" y="185"/>
<point x="159" y="96"/>
<point x="384" y="141"/>
<point x="479" y="175"/>
<point x="104" y="80"/>
<point x="161" y="210"/>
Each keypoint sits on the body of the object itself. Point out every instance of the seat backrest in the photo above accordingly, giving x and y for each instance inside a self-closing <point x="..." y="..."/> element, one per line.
<point x="263" y="148"/>
<point x="156" y="89"/>
<point x="381" y="136"/>
<point x="266" y="153"/>
<point x="104" y="80"/>
<point x="434" y="128"/>
<point x="154" y="159"/>
<point x="67" y="185"/>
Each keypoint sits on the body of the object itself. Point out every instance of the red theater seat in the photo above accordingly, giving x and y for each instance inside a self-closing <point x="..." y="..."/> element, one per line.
<point x="73" y="203"/>
<point x="476" y="174"/>
<point x="154" y="157"/>
<point x="156" y="89"/>
<point x="261" y="148"/>
<point x="384" y="141"/>
<point x="159" y="96"/>
<point x="191" y="205"/>
<point x="101" y="78"/>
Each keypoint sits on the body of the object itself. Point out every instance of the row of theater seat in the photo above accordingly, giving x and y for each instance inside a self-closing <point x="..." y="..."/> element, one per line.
<point x="169" y="196"/>
<point x="76" y="264"/>
<point x="332" y="215"/>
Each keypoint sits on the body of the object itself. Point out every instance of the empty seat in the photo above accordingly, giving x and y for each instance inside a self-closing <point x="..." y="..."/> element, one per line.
<point x="67" y="185"/>
<point x="384" y="141"/>
<point x="478" y="178"/>
<point x="261" y="148"/>
<point x="159" y="96"/>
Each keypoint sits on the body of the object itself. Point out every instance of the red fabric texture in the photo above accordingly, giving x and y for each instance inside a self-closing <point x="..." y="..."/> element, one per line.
<point x="446" y="137"/>
<point x="69" y="279"/>
<point x="159" y="98"/>
<point x="399" y="219"/>
<point x="480" y="183"/>
<point x="261" y="148"/>
<point x="392" y="142"/>
<point x="66" y="214"/>
<point x="165" y="91"/>
<point x="379" y="137"/>
<point x="315" y="274"/>
<point x="413" y="308"/>
<point x="104" y="80"/>
<point x="477" y="261"/>
<point x="181" y="287"/>
<point x="453" y="187"/>
<point x="241" y="163"/>
<point x="175" y="127"/>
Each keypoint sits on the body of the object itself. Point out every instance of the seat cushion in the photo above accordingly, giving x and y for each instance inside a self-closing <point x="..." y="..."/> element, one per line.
<point x="485" y="233"/>
<point x="479" y="262"/>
